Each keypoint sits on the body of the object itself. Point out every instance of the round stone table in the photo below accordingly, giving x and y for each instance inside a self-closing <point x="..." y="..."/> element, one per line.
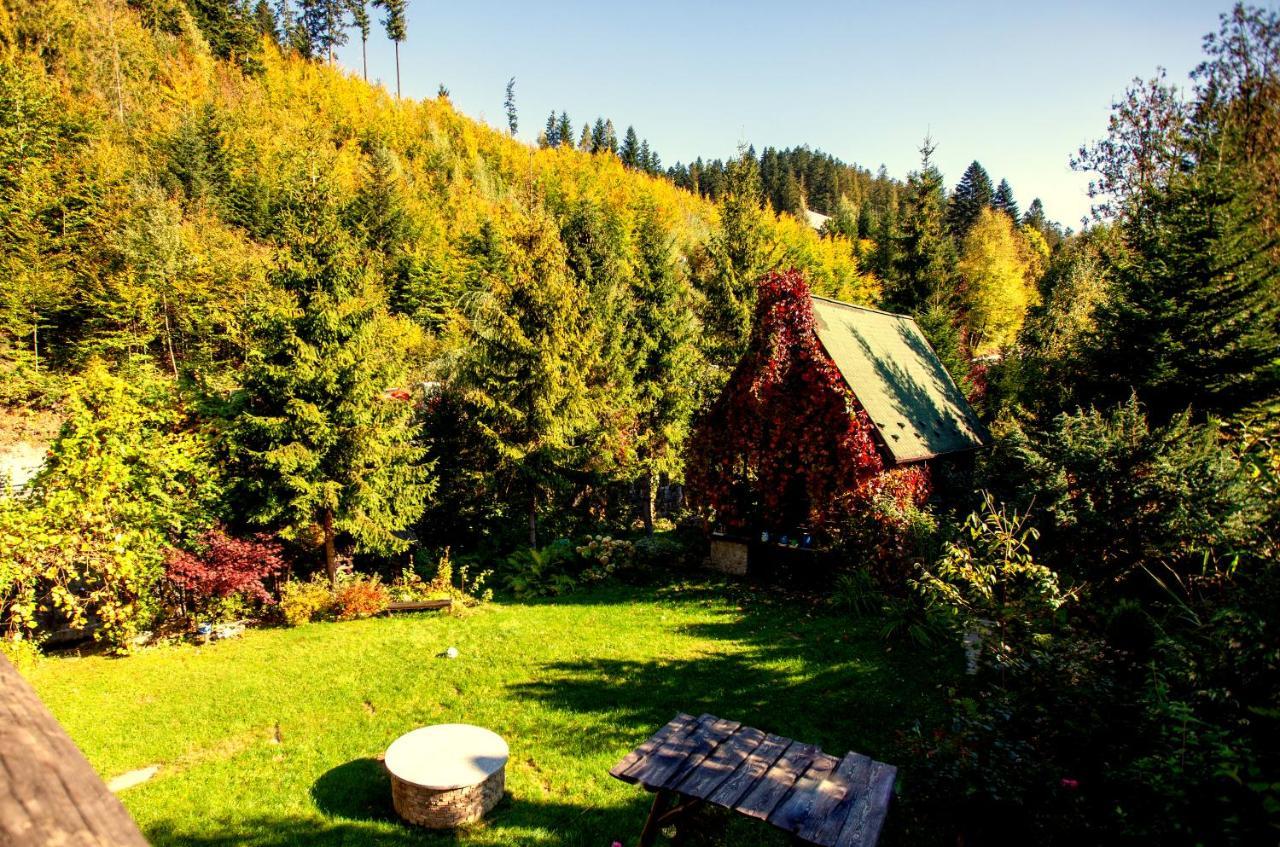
<point x="446" y="775"/>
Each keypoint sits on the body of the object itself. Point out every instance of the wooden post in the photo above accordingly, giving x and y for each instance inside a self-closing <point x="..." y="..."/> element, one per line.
<point x="652" y="824"/>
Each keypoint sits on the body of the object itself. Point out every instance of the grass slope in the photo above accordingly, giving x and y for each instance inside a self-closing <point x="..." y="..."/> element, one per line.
<point x="272" y="739"/>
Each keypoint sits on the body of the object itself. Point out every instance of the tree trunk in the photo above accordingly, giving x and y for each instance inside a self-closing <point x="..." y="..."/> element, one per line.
<point x="364" y="58"/>
<point x="533" y="521"/>
<point x="646" y="503"/>
<point x="330" y="553"/>
<point x="168" y="335"/>
<point x="397" y="70"/>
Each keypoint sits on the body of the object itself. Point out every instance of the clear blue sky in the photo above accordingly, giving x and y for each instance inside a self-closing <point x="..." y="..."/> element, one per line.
<point x="1015" y="86"/>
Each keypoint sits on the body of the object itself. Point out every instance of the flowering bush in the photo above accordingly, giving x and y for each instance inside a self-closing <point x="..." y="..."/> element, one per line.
<point x="226" y="567"/>
<point x="786" y="436"/>
<point x="603" y="556"/>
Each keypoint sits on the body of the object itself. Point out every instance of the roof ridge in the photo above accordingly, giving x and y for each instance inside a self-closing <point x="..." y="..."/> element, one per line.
<point x="860" y="308"/>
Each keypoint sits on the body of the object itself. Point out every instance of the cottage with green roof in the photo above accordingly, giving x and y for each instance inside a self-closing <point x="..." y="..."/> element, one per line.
<point x="832" y="406"/>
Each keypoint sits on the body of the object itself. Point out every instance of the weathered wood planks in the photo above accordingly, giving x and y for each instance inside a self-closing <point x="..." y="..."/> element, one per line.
<point x="792" y="785"/>
<point x="420" y="605"/>
<point x="49" y="794"/>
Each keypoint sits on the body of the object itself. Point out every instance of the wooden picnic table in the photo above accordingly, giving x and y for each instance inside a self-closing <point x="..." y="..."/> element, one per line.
<point x="820" y="799"/>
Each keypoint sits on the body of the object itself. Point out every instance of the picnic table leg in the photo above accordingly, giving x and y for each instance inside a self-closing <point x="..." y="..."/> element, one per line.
<point x="652" y="825"/>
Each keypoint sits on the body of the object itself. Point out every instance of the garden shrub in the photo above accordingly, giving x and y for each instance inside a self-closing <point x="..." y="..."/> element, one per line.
<point x="564" y="565"/>
<point x="360" y="596"/>
<point x="1117" y="499"/>
<point x="125" y="478"/>
<point x="303" y="601"/>
<point x="225" y="570"/>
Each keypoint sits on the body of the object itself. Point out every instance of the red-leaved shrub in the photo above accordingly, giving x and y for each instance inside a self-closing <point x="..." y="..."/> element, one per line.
<point x="226" y="566"/>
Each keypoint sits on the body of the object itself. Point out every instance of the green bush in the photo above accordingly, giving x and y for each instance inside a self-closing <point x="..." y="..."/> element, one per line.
<point x="126" y="476"/>
<point x="1116" y="499"/>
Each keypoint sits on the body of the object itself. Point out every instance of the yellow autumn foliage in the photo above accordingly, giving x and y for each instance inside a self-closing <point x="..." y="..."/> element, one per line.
<point x="998" y="268"/>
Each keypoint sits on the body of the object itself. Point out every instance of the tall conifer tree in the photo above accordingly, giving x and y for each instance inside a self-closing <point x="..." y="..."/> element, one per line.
<point x="318" y="440"/>
<point x="972" y="195"/>
<point x="396" y="26"/>
<point x="925" y="261"/>
<point x="1002" y="201"/>
<point x="522" y="370"/>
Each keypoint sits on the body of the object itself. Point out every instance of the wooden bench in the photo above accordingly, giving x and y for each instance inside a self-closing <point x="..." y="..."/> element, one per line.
<point x="820" y="799"/>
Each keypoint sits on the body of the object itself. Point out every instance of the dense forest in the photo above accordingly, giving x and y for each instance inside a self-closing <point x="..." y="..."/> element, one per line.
<point x="270" y="302"/>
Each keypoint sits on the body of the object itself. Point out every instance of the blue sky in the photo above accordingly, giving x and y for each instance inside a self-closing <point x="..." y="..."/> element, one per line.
<point x="1013" y="85"/>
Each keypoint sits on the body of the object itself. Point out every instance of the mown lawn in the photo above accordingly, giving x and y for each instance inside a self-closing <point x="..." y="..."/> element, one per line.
<point x="271" y="739"/>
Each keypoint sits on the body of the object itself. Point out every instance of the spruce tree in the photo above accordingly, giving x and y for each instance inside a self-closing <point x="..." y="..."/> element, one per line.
<point x="737" y="249"/>
<point x="925" y="262"/>
<point x="666" y="358"/>
<point x="509" y="104"/>
<point x="630" y="152"/>
<point x="610" y="137"/>
<point x="1034" y="216"/>
<point x="1193" y="316"/>
<point x="972" y="195"/>
<point x="521" y="373"/>
<point x="396" y="26"/>
<point x="584" y="140"/>
<point x="599" y="140"/>
<point x="1002" y="201"/>
<point x="564" y="130"/>
<point x="265" y="21"/>
<point x="317" y="440"/>
<point x="325" y="24"/>
<point x="360" y="17"/>
<point x="551" y="133"/>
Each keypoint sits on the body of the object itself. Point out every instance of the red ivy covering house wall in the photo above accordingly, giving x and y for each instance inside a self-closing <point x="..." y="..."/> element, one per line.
<point x="787" y="420"/>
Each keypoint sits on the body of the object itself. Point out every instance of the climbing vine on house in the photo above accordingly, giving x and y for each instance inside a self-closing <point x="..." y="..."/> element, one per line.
<point x="786" y="443"/>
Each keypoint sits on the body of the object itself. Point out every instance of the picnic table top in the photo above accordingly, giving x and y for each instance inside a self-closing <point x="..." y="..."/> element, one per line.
<point x="822" y="799"/>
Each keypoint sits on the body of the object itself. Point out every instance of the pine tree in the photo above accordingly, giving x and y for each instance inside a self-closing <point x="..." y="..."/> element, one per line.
<point x="315" y="437"/>
<point x="630" y="152"/>
<point x="360" y="17"/>
<point x="666" y="358"/>
<point x="584" y="140"/>
<point x="972" y="195"/>
<point x="521" y="372"/>
<point x="324" y="22"/>
<point x="1034" y="216"/>
<point x="265" y="21"/>
<point x="551" y="133"/>
<point x="1002" y="201"/>
<point x="564" y="130"/>
<point x="737" y="249"/>
<point x="599" y="139"/>
<point x="509" y="104"/>
<point x="925" y="261"/>
<point x="396" y="26"/>
<point x="610" y="137"/>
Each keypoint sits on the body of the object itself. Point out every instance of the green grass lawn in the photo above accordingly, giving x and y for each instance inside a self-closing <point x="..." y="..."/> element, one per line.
<point x="271" y="739"/>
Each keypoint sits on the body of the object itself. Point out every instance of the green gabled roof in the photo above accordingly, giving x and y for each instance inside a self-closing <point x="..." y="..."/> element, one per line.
<point x="894" y="373"/>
